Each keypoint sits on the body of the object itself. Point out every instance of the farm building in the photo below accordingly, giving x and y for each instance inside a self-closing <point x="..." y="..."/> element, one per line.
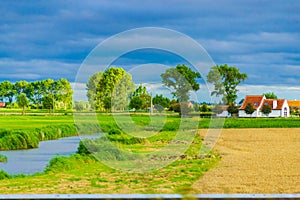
<point x="224" y="112"/>
<point x="2" y="104"/>
<point x="279" y="107"/>
<point x="294" y="104"/>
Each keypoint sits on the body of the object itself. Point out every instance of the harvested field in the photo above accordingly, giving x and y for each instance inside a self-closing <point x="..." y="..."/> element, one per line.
<point x="255" y="161"/>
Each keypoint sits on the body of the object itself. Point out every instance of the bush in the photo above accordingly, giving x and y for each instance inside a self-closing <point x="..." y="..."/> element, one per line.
<point x="103" y="149"/>
<point x="82" y="150"/>
<point x="65" y="163"/>
<point x="114" y="132"/>
<point x="12" y="140"/>
<point x="4" y="175"/>
<point x="3" y="158"/>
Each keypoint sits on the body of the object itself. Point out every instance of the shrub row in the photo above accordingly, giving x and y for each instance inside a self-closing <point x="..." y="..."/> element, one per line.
<point x="27" y="139"/>
<point x="104" y="149"/>
<point x="65" y="163"/>
<point x="4" y="175"/>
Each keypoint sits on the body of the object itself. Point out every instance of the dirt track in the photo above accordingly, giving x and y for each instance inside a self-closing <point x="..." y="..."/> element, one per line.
<point x="255" y="161"/>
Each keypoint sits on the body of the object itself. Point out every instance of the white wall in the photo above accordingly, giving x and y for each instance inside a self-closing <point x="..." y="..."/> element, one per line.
<point x="224" y="114"/>
<point x="274" y="113"/>
<point x="243" y="114"/>
<point x="285" y="105"/>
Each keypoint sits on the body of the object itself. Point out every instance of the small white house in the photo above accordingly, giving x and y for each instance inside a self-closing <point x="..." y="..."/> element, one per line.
<point x="279" y="107"/>
<point x="224" y="112"/>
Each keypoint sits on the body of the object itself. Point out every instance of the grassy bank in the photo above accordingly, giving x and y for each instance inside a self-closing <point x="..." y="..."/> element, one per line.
<point x="80" y="173"/>
<point x="23" y="132"/>
<point x="83" y="174"/>
<point x="29" y="138"/>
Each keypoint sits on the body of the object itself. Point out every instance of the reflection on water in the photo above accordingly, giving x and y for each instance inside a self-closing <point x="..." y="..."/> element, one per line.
<point x="35" y="160"/>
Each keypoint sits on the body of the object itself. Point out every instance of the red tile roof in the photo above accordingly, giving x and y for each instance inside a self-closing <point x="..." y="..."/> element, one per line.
<point x="294" y="103"/>
<point x="255" y="100"/>
<point x="2" y="104"/>
<point x="270" y="102"/>
<point x="280" y="103"/>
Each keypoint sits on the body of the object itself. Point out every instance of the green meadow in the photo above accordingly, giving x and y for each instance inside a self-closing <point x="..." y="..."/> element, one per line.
<point x="82" y="173"/>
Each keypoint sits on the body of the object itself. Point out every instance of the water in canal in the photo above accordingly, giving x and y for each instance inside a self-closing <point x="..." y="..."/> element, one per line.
<point x="35" y="160"/>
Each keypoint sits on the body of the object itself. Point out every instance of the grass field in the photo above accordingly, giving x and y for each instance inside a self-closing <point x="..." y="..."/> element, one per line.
<point x="29" y="121"/>
<point x="82" y="174"/>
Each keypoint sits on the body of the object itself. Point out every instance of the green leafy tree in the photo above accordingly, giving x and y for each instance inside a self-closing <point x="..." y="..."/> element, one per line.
<point x="164" y="102"/>
<point x="49" y="88"/>
<point x="37" y="93"/>
<point x="7" y="91"/>
<point x="22" y="87"/>
<point x="174" y="106"/>
<point x="114" y="89"/>
<point x="64" y="92"/>
<point x="232" y="109"/>
<point x="204" y="108"/>
<point x="2" y="92"/>
<point x="91" y="87"/>
<point x="249" y="109"/>
<point x="270" y="95"/>
<point x="266" y="109"/>
<point x="136" y="102"/>
<point x="141" y="92"/>
<point x="122" y="91"/>
<point x="48" y="102"/>
<point x="107" y="104"/>
<point x="22" y="102"/>
<point x="226" y="79"/>
<point x="182" y="79"/>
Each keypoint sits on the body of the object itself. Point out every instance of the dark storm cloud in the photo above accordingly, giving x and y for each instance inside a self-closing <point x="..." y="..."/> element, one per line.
<point x="53" y="37"/>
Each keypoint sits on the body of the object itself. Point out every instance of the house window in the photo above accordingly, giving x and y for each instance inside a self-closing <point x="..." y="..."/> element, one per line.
<point x="256" y="104"/>
<point x="285" y="112"/>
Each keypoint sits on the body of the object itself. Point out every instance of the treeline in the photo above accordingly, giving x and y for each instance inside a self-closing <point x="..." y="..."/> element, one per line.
<point x="113" y="89"/>
<point x="41" y="94"/>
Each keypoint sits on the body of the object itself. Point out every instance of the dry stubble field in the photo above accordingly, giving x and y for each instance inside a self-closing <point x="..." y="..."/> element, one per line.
<point x="255" y="161"/>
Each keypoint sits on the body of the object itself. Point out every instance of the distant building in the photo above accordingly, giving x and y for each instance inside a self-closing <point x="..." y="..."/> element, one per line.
<point x="224" y="112"/>
<point x="294" y="104"/>
<point x="2" y="104"/>
<point x="279" y="107"/>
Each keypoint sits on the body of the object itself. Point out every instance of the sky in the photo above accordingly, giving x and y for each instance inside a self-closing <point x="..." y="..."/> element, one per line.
<point x="52" y="38"/>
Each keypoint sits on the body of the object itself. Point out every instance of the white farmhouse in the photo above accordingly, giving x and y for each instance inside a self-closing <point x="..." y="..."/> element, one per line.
<point x="279" y="107"/>
<point x="224" y="112"/>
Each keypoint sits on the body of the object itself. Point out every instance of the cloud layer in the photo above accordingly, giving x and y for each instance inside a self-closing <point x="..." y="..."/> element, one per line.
<point x="40" y="39"/>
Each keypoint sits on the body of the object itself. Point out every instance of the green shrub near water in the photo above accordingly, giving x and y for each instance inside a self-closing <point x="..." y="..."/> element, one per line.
<point x="3" y="158"/>
<point x="65" y="163"/>
<point x="4" y="175"/>
<point x="27" y="139"/>
<point x="105" y="148"/>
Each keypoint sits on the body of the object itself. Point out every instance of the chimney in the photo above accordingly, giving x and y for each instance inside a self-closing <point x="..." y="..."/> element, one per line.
<point x="274" y="104"/>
